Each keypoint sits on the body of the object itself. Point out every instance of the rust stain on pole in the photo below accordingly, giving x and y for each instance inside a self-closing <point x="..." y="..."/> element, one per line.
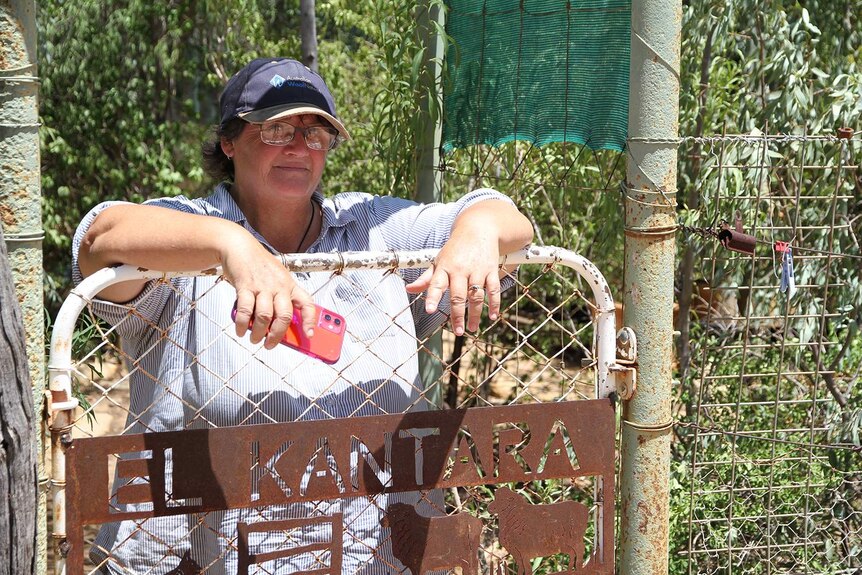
<point x="7" y="216"/>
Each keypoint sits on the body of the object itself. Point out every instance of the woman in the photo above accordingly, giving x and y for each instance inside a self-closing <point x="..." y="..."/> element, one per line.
<point x="277" y="126"/>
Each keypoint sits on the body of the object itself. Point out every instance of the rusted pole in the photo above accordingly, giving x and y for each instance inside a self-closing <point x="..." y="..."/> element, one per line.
<point x="648" y="295"/>
<point x="20" y="207"/>
<point x="429" y="179"/>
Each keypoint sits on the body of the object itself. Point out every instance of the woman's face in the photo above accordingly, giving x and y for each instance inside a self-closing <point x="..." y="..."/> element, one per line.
<point x="265" y="172"/>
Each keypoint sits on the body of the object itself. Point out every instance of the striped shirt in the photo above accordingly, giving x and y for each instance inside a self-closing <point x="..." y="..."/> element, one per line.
<point x="189" y="370"/>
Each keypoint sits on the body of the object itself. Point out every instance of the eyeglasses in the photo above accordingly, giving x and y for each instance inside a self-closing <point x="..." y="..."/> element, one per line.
<point x="282" y="133"/>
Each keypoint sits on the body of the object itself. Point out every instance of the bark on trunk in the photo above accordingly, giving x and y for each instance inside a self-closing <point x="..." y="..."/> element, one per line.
<point x="308" y="33"/>
<point x="18" y="497"/>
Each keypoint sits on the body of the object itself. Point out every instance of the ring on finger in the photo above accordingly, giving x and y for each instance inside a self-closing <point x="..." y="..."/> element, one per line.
<point x="475" y="287"/>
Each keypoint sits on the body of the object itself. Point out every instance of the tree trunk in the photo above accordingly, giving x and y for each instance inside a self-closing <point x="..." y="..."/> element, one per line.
<point x="308" y="33"/>
<point x="18" y="498"/>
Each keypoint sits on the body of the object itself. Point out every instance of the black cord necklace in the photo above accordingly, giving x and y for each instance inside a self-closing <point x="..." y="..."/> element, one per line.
<point x="307" y="229"/>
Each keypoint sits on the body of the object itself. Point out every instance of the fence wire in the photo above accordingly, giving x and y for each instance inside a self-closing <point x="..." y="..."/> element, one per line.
<point x="767" y="459"/>
<point x="766" y="464"/>
<point x="541" y="349"/>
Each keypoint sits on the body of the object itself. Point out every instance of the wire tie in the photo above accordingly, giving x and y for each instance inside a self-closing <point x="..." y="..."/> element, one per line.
<point x="14" y="126"/>
<point x="655" y="231"/>
<point x="20" y="79"/>
<point x="25" y="237"/>
<point x="653" y="428"/>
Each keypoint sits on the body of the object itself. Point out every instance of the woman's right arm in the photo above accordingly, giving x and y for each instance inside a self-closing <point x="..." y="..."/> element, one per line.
<point x="167" y="240"/>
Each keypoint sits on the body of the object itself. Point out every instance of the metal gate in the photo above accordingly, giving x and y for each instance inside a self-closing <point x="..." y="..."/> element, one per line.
<point x="505" y="460"/>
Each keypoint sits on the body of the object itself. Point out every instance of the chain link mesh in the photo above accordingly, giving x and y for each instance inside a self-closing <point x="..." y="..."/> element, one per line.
<point x="539" y="350"/>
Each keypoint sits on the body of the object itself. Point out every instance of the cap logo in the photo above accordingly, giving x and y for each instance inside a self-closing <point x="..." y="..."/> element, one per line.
<point x="277" y="81"/>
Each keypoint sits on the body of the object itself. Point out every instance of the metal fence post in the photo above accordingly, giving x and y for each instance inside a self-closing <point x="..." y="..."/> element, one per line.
<point x="21" y="210"/>
<point x="648" y="294"/>
<point x="429" y="179"/>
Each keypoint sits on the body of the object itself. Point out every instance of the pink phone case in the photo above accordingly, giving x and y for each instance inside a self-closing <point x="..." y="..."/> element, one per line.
<point x="328" y="337"/>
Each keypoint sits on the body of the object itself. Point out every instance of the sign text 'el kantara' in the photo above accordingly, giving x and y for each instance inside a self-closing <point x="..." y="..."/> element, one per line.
<point x="196" y="471"/>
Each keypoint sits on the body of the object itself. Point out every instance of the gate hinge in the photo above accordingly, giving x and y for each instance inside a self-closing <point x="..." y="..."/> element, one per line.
<point x="624" y="369"/>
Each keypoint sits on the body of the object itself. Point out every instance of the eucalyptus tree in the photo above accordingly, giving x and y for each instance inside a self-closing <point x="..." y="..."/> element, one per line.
<point x="790" y="70"/>
<point x="130" y="89"/>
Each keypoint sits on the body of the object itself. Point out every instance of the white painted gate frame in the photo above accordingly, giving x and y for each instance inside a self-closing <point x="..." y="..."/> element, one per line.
<point x="611" y="377"/>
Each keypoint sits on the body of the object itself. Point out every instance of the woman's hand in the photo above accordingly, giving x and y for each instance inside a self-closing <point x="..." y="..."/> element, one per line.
<point x="266" y="294"/>
<point x="169" y="240"/>
<point x="468" y="267"/>
<point x="468" y="264"/>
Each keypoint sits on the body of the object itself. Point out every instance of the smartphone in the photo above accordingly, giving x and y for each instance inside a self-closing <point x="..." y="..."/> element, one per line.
<point x="325" y="344"/>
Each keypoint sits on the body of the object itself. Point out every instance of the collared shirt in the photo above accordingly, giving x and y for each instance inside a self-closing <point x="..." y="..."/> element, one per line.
<point x="189" y="371"/>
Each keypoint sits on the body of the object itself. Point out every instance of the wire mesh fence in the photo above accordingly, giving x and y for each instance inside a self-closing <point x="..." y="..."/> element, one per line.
<point x="141" y="373"/>
<point x="767" y="460"/>
<point x="765" y="474"/>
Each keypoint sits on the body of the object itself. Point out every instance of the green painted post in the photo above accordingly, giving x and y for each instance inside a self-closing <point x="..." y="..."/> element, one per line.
<point x="648" y="296"/>
<point x="21" y="209"/>
<point x="429" y="180"/>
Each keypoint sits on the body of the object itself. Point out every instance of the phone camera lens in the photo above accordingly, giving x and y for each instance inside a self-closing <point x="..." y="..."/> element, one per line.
<point x="327" y="317"/>
<point x="337" y="321"/>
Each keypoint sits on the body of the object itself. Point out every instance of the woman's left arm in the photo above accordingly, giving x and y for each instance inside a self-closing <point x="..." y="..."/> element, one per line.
<point x="468" y="263"/>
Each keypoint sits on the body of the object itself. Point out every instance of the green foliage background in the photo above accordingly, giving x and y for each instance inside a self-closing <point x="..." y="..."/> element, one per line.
<point x="129" y="91"/>
<point x="777" y="67"/>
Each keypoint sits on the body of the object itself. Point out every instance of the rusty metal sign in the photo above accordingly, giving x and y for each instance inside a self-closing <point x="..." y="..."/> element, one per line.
<point x="194" y="471"/>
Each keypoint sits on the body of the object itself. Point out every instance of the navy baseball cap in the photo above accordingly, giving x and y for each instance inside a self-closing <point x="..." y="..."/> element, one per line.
<point x="271" y="88"/>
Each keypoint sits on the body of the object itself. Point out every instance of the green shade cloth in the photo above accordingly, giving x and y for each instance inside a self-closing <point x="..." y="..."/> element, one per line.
<point x="541" y="71"/>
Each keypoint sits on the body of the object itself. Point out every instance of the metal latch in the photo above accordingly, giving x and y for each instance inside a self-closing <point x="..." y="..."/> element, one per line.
<point x="624" y="370"/>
